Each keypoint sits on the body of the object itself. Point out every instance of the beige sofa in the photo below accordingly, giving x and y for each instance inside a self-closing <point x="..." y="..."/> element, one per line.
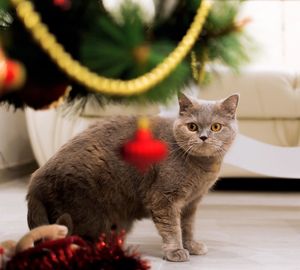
<point x="269" y="108"/>
<point x="269" y="111"/>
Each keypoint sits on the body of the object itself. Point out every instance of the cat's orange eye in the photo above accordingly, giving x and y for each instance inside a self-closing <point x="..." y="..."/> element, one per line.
<point x="192" y="126"/>
<point x="216" y="127"/>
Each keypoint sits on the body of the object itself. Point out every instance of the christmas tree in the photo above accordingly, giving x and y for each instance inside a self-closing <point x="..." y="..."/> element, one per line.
<point x="77" y="45"/>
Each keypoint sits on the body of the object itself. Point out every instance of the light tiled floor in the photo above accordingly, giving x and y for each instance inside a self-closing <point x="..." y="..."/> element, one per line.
<point x="242" y="230"/>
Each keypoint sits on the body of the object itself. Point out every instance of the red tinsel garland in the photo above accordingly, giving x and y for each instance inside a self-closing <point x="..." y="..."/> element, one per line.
<point x="75" y="253"/>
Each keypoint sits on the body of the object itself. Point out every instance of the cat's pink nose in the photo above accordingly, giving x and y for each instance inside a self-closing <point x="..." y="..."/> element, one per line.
<point x="203" y="138"/>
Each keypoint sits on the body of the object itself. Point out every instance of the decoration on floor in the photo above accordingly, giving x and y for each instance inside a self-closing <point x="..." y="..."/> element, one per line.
<point x="61" y="252"/>
<point x="12" y="75"/>
<point x="82" y="45"/>
<point x="9" y="249"/>
<point x="143" y="151"/>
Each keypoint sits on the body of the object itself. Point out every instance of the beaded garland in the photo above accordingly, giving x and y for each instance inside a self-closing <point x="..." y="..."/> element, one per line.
<point x="95" y="82"/>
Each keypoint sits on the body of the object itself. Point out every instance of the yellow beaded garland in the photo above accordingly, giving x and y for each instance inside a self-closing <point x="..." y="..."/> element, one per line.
<point x="95" y="82"/>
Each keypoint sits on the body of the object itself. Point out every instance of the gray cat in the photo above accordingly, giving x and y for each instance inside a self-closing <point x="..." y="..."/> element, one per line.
<point x="87" y="186"/>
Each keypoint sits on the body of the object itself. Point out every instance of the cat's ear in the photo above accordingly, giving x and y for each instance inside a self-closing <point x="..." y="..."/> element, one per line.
<point x="184" y="103"/>
<point x="229" y="105"/>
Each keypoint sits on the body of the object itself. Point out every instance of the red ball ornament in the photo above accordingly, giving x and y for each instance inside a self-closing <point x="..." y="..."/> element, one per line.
<point x="1" y="256"/>
<point x="63" y="4"/>
<point x="43" y="97"/>
<point x="15" y="75"/>
<point x="12" y="75"/>
<point x="144" y="150"/>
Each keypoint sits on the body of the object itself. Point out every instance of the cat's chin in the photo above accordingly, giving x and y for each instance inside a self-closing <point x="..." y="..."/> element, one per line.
<point x="202" y="152"/>
<point x="205" y="151"/>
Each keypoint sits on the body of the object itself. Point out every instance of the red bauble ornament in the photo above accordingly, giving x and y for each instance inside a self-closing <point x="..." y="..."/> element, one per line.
<point x="63" y="4"/>
<point x="144" y="150"/>
<point x="15" y="75"/>
<point x="1" y="256"/>
<point x="12" y="75"/>
<point x="40" y="96"/>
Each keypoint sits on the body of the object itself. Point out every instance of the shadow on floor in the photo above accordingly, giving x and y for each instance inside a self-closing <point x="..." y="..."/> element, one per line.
<point x="258" y="184"/>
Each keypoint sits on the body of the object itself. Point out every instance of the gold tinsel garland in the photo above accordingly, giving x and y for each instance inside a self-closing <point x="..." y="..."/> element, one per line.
<point x="95" y="82"/>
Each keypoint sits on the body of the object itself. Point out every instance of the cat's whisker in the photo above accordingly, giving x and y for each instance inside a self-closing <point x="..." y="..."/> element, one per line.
<point x="220" y="154"/>
<point x="187" y="154"/>
<point x="178" y="153"/>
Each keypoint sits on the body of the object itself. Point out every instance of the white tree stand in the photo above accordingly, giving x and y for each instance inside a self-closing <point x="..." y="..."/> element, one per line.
<point x="48" y="130"/>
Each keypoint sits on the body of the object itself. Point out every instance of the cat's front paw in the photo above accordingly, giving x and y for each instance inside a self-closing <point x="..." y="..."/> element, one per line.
<point x="195" y="248"/>
<point x="177" y="255"/>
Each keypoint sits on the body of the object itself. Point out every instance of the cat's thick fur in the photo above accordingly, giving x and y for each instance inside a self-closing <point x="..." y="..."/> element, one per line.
<point x="88" y="186"/>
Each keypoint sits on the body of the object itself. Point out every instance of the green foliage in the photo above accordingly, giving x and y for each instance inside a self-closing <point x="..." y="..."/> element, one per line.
<point x="3" y="4"/>
<point x="230" y="50"/>
<point x="172" y="84"/>
<point x="5" y="18"/>
<point x="221" y="40"/>
<point x="222" y="16"/>
<point x="108" y="47"/>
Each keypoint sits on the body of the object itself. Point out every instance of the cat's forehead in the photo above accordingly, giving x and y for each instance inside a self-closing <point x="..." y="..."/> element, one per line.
<point x="205" y="111"/>
<point x="205" y="107"/>
<point x="206" y="102"/>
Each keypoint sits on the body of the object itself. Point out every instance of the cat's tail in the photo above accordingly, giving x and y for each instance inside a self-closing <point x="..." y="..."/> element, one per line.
<point x="37" y="215"/>
<point x="66" y="220"/>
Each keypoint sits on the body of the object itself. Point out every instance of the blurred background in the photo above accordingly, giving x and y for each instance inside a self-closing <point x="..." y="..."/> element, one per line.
<point x="269" y="110"/>
<point x="275" y="27"/>
<point x="250" y="220"/>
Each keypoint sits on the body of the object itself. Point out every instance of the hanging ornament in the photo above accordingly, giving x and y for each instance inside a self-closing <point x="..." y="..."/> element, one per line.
<point x="44" y="97"/>
<point x="141" y="54"/>
<point x="63" y="4"/>
<point x="12" y="75"/>
<point x="97" y="83"/>
<point x="1" y="256"/>
<point x="199" y="66"/>
<point x="61" y="100"/>
<point x="144" y="150"/>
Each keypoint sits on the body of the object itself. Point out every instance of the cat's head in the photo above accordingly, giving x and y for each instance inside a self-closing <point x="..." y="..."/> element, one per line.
<point x="206" y="128"/>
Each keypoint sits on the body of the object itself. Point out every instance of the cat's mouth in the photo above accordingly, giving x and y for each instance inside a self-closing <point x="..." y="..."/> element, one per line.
<point x="203" y="148"/>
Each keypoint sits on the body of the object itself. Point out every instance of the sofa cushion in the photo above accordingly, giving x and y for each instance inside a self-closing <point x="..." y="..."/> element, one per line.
<point x="265" y="94"/>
